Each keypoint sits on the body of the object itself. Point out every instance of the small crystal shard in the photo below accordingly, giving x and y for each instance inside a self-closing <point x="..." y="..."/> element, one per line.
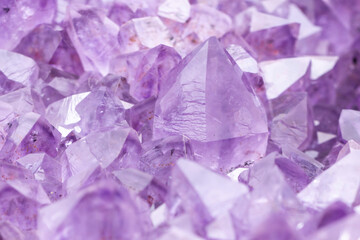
<point x="176" y="10"/>
<point x="110" y="215"/>
<point x="207" y="22"/>
<point x="18" y="68"/>
<point x="145" y="71"/>
<point x="141" y="33"/>
<point x="208" y="199"/>
<point x="94" y="37"/>
<point x="47" y="171"/>
<point x="270" y="193"/>
<point x="292" y="123"/>
<point x="17" y="18"/>
<point x="7" y="85"/>
<point x="325" y="188"/>
<point x="40" y="44"/>
<point x="66" y="56"/>
<point x="349" y="125"/>
<point x="307" y="28"/>
<point x="291" y="70"/>
<point x="30" y="133"/>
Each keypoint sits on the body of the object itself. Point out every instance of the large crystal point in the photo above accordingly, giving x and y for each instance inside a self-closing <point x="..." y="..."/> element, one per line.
<point x="210" y="102"/>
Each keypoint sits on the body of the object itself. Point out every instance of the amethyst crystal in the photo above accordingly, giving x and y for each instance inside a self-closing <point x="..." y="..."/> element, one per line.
<point x="179" y="119"/>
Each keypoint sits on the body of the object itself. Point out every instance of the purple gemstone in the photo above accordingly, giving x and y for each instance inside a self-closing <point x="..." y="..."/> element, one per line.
<point x="40" y="44"/>
<point x="204" y="110"/>
<point x="186" y="119"/>
<point x="109" y="218"/>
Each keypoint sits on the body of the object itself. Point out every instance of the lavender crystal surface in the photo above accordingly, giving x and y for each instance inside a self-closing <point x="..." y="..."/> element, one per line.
<point x="179" y="119"/>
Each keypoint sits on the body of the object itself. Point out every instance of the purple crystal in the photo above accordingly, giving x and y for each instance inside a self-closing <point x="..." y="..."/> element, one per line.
<point x="145" y="71"/>
<point x="206" y="110"/>
<point x="30" y="133"/>
<point x="40" y="44"/>
<point x="7" y="85"/>
<point x="66" y="56"/>
<point x="142" y="33"/>
<point x="94" y="37"/>
<point x="292" y="122"/>
<point x="333" y="213"/>
<point x="47" y="171"/>
<point x="17" y="18"/>
<point x="18" y="68"/>
<point x="186" y="119"/>
<point x="120" y="13"/>
<point x="348" y="124"/>
<point x="324" y="189"/>
<point x="111" y="207"/>
<point x="275" y="228"/>
<point x="206" y="199"/>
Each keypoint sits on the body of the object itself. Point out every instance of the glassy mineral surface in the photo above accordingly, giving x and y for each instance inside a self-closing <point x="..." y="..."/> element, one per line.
<point x="179" y="119"/>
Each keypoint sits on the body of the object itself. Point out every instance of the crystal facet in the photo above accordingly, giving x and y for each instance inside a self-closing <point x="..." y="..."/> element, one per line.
<point x="206" y="110"/>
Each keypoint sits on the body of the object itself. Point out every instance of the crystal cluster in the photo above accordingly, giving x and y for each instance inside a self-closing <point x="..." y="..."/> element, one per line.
<point x="179" y="119"/>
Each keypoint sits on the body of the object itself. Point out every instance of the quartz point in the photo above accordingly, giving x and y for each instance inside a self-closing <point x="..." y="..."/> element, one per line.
<point x="204" y="109"/>
<point x="292" y="70"/>
<point x="145" y="70"/>
<point x="270" y="194"/>
<point x="7" y="85"/>
<point x="210" y="199"/>
<point x="298" y="168"/>
<point x="95" y="51"/>
<point x="271" y="37"/>
<point x="66" y="57"/>
<point x="307" y="28"/>
<point x="47" y="171"/>
<point x="40" y="44"/>
<point x="292" y="122"/>
<point x="30" y="133"/>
